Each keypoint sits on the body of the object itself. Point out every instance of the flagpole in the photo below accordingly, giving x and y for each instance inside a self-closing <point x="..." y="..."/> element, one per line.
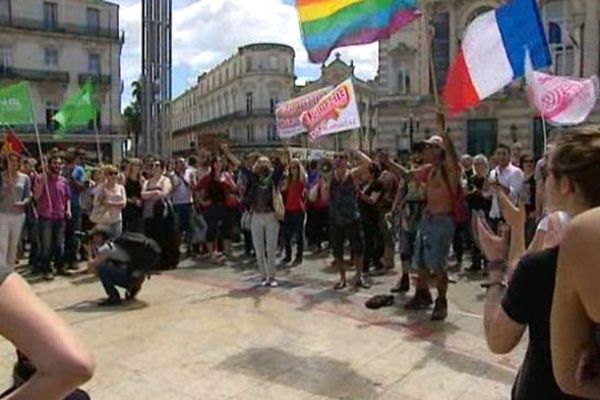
<point x="41" y="152"/>
<point x="545" y="132"/>
<point x="440" y="115"/>
<point x="96" y="134"/>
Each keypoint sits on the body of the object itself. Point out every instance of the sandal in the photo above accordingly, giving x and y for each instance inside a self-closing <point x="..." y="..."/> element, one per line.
<point x="340" y="285"/>
<point x="362" y="283"/>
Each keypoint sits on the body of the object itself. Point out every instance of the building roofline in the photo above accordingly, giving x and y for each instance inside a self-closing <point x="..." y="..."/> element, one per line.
<point x="259" y="45"/>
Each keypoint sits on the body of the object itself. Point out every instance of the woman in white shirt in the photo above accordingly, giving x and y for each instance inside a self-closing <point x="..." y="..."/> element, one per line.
<point x="109" y="201"/>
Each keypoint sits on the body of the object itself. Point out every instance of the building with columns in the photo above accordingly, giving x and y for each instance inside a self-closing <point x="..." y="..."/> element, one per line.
<point x="236" y="100"/>
<point x="57" y="46"/>
<point x="366" y="96"/>
<point x="406" y="106"/>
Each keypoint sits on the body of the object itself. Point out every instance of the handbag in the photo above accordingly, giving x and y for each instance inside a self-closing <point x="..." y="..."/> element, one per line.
<point x="278" y="206"/>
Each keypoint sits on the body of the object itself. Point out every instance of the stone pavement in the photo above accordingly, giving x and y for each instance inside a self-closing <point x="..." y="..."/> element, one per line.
<point x="208" y="332"/>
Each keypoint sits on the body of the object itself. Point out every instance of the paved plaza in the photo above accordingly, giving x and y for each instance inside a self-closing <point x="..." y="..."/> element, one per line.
<point x="208" y="332"/>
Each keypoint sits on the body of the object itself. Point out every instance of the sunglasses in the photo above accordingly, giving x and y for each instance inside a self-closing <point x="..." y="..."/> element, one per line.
<point x="112" y="174"/>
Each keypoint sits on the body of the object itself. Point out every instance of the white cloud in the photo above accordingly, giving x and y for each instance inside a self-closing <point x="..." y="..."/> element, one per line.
<point x="206" y="32"/>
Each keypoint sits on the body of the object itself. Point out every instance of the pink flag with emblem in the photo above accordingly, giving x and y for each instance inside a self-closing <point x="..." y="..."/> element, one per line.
<point x="561" y="100"/>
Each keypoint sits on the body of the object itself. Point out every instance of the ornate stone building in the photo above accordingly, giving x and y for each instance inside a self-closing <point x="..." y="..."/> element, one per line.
<point x="366" y="95"/>
<point x="406" y="104"/>
<point x="236" y="100"/>
<point x="56" y="46"/>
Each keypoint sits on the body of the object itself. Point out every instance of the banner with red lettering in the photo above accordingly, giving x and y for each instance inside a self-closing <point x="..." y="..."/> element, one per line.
<point x="335" y="112"/>
<point x="287" y="113"/>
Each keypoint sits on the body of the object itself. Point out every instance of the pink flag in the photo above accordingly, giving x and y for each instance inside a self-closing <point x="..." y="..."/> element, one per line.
<point x="562" y="100"/>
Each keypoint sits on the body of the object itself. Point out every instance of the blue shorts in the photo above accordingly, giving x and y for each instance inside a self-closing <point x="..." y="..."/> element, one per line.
<point x="432" y="244"/>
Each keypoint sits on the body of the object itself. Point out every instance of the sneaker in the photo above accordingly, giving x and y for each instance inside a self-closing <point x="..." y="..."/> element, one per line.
<point x="421" y="300"/>
<point x="273" y="283"/>
<point x="49" y="276"/>
<point x="287" y="260"/>
<point x="440" y="311"/>
<point x="264" y="282"/>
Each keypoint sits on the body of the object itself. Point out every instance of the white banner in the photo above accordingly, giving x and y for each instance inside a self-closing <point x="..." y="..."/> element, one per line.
<point x="335" y="112"/>
<point x="288" y="113"/>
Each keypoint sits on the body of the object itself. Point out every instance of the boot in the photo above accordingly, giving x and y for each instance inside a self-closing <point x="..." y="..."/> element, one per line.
<point x="403" y="285"/>
<point x="440" y="311"/>
<point x="421" y="300"/>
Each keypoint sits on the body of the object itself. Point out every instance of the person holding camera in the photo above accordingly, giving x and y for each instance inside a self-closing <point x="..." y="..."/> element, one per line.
<point x="112" y="263"/>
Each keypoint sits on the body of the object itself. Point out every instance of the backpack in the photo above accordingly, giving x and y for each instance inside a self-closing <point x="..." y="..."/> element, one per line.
<point x="143" y="252"/>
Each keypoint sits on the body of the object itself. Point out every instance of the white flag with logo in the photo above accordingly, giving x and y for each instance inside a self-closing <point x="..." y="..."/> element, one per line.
<point x="561" y="100"/>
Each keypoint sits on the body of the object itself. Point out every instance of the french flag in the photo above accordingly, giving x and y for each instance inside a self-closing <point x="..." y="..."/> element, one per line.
<point x="492" y="54"/>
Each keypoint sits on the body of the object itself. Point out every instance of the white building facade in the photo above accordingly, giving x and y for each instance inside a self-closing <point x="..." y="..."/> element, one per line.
<point x="236" y="100"/>
<point x="57" y="46"/>
<point x="406" y="106"/>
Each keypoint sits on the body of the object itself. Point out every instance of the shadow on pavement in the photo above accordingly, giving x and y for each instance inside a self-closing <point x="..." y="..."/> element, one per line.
<point x="319" y="375"/>
<point x="92" y="307"/>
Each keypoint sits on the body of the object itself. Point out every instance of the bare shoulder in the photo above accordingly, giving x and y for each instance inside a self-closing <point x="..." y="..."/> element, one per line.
<point x="580" y="242"/>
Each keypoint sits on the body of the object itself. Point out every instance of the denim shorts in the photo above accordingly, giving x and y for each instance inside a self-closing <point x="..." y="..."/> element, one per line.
<point x="432" y="244"/>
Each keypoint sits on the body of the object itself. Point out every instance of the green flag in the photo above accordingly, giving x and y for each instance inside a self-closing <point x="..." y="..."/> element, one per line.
<point x="15" y="105"/>
<point x="77" y="111"/>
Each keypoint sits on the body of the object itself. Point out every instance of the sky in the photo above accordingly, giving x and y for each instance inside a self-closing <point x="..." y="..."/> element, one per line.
<point x="206" y="32"/>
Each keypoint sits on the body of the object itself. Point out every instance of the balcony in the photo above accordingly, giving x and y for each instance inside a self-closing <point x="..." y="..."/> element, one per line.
<point x="95" y="79"/>
<point x="61" y="28"/>
<point x="34" y="75"/>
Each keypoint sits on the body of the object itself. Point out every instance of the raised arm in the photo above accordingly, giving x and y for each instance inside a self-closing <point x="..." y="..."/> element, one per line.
<point x="576" y="308"/>
<point x="227" y="153"/>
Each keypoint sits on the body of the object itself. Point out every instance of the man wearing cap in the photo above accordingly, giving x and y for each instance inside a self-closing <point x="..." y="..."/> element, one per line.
<point x="440" y="177"/>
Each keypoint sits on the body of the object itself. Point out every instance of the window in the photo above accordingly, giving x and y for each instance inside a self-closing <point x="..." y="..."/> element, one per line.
<point x="273" y="103"/>
<point x="557" y="25"/>
<point x="51" y="110"/>
<point x="272" y="133"/>
<point x="274" y="62"/>
<point x="4" y="11"/>
<point x="93" y="19"/>
<point x="482" y="136"/>
<point x="50" y="57"/>
<point x="50" y="15"/>
<point x="94" y="66"/>
<point x="248" y="64"/>
<point x="403" y="81"/>
<point x="5" y="58"/>
<point x="250" y="133"/>
<point x="249" y="101"/>
<point x="98" y="122"/>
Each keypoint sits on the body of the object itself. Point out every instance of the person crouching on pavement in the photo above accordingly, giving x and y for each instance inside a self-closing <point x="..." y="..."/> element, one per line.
<point x="109" y="262"/>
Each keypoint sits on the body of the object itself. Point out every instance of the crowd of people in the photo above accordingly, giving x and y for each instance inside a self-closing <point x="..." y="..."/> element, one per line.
<point x="508" y="212"/>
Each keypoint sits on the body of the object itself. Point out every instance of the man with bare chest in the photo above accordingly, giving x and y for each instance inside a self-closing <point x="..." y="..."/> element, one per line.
<point x="439" y="176"/>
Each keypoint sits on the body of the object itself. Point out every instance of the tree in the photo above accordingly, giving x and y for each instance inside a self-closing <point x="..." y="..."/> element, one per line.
<point x="133" y="115"/>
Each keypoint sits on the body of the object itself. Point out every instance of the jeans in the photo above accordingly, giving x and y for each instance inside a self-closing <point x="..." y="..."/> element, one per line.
<point x="319" y="225"/>
<point x="265" y="232"/>
<point x="112" y="275"/>
<point x="30" y="234"/>
<point x="52" y="241"/>
<point x="293" y="225"/>
<point x="10" y="234"/>
<point x="183" y="213"/>
<point x="71" y="241"/>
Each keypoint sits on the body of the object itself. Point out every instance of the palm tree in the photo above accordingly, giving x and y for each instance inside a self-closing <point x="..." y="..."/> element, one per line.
<point x="133" y="115"/>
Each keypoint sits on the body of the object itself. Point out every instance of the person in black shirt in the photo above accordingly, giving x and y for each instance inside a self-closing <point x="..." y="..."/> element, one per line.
<point x="368" y="198"/>
<point x="532" y="293"/>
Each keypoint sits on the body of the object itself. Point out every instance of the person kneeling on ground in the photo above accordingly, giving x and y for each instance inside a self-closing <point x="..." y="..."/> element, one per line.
<point x="113" y="264"/>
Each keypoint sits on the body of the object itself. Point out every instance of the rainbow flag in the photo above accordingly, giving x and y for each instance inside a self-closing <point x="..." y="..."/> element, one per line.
<point x="328" y="24"/>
